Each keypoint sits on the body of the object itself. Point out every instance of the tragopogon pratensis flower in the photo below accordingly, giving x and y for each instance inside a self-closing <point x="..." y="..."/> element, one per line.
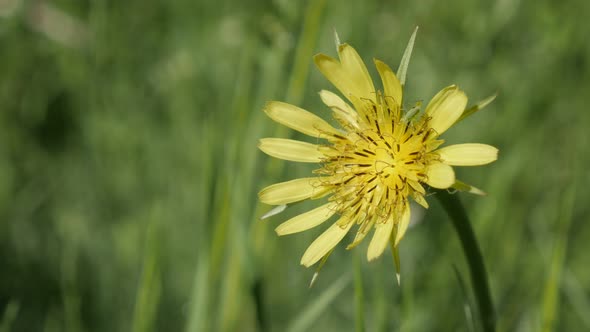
<point x="382" y="156"/>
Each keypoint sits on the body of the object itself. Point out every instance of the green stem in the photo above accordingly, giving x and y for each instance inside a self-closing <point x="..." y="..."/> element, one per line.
<point x="456" y="211"/>
<point x="359" y="294"/>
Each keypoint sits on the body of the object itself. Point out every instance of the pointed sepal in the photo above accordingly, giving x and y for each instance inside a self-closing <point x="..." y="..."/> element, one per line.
<point x="471" y="110"/>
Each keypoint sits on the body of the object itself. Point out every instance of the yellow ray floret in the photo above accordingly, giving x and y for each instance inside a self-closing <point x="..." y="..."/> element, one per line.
<point x="288" y="149"/>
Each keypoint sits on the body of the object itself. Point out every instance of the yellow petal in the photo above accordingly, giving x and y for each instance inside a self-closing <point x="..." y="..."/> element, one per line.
<point x="469" y="154"/>
<point x="350" y="75"/>
<point x="289" y="191"/>
<point x="417" y="186"/>
<point x="342" y="111"/>
<point x="418" y="198"/>
<point x="403" y="224"/>
<point x="358" y="238"/>
<point x="380" y="239"/>
<point x="440" y="175"/>
<point x="445" y="108"/>
<point x="307" y="220"/>
<point x="325" y="242"/>
<point x="298" y="119"/>
<point x="292" y="150"/>
<point x="391" y="85"/>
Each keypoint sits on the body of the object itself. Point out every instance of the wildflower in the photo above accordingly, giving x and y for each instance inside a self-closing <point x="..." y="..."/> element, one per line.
<point x="382" y="156"/>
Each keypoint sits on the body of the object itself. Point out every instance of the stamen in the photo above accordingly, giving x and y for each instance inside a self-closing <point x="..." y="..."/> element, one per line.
<point x="361" y="154"/>
<point x="372" y="140"/>
<point x="347" y="180"/>
<point x="377" y="126"/>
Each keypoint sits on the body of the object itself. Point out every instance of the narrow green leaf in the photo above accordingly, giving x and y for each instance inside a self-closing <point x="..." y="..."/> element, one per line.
<point x="403" y="66"/>
<point x="456" y="212"/>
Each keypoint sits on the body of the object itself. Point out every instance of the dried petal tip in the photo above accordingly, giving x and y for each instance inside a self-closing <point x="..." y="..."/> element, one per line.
<point x="313" y="279"/>
<point x="336" y="39"/>
<point x="274" y="211"/>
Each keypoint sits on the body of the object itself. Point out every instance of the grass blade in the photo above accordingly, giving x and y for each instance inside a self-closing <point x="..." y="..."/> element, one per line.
<point x="551" y="291"/>
<point x="198" y="308"/>
<point x="313" y="311"/>
<point x="148" y="293"/>
<point x="10" y="313"/>
<point x="358" y="293"/>
<point x="311" y="26"/>
<point x="462" y="225"/>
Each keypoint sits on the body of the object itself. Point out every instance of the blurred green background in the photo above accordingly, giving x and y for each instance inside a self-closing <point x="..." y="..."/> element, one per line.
<point x="129" y="168"/>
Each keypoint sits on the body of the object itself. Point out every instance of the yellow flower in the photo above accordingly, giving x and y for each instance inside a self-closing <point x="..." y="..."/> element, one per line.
<point x="381" y="156"/>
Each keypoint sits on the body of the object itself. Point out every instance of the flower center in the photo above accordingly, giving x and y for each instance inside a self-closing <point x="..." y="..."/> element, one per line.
<point x="374" y="168"/>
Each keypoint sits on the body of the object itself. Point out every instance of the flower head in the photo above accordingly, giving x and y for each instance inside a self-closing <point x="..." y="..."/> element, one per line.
<point x="381" y="158"/>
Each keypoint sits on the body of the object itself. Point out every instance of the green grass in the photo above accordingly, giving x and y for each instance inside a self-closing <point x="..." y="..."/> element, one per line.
<point x="129" y="168"/>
